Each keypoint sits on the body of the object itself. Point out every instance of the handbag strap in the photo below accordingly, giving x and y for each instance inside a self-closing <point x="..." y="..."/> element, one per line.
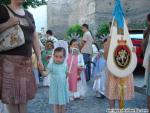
<point x="9" y="11"/>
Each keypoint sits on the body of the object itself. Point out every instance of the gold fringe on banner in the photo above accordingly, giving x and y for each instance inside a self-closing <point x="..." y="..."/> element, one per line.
<point x="122" y="89"/>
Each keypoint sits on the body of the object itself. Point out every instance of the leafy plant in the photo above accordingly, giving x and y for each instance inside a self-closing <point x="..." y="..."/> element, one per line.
<point x="75" y="31"/>
<point x="28" y="3"/>
<point x="103" y="30"/>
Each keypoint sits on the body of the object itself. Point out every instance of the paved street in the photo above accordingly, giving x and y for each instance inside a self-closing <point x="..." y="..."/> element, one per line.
<point x="90" y="105"/>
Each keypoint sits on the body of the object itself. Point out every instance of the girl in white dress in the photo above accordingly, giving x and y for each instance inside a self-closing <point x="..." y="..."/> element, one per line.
<point x="99" y="74"/>
<point x="3" y="108"/>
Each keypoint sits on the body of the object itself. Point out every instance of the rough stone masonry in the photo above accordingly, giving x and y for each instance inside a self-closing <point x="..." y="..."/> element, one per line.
<point x="63" y="13"/>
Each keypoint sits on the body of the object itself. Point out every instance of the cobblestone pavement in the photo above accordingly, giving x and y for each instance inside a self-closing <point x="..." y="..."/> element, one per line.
<point x="90" y="105"/>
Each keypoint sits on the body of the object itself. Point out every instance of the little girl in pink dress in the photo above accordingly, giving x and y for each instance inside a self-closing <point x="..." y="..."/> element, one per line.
<point x="76" y="76"/>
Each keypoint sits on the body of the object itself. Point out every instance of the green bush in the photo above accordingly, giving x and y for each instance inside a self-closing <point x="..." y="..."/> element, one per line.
<point x="103" y="30"/>
<point x="75" y="31"/>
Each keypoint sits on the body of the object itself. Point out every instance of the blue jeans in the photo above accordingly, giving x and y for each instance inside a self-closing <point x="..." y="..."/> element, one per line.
<point x="87" y="59"/>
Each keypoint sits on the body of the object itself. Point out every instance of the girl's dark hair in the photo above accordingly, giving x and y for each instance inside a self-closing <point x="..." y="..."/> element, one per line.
<point x="86" y="26"/>
<point x="60" y="49"/>
<point x="72" y="41"/>
<point x="50" y="32"/>
<point x="148" y="17"/>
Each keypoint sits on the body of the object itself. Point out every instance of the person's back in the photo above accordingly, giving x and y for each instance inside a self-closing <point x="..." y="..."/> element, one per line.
<point x="87" y="48"/>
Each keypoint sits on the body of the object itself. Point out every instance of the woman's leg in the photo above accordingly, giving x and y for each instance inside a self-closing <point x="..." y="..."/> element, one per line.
<point x="112" y="104"/>
<point x="56" y="108"/>
<point x="62" y="109"/>
<point x="13" y="108"/>
<point x="22" y="108"/>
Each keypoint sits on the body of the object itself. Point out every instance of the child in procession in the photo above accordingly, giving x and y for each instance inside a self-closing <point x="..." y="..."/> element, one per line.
<point x="46" y="55"/>
<point x="76" y="76"/>
<point x="58" y="90"/>
<point x="3" y="108"/>
<point x="99" y="75"/>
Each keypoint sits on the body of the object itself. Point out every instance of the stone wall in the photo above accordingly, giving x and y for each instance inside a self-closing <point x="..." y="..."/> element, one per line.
<point x="58" y="14"/>
<point x="63" y="13"/>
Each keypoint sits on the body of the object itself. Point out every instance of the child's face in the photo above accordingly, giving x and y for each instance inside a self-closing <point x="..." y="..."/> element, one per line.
<point x="59" y="57"/>
<point x="75" y="45"/>
<point x="49" y="45"/>
<point x="84" y="29"/>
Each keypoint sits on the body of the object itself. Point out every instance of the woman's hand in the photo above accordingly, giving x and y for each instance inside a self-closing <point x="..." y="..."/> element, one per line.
<point x="13" y="21"/>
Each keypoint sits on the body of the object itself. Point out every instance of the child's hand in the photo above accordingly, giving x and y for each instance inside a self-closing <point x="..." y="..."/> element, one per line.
<point x="78" y="77"/>
<point x="80" y="68"/>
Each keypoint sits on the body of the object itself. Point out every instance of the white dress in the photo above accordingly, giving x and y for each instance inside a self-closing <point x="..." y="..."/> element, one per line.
<point x="81" y="84"/>
<point x="100" y="74"/>
<point x="46" y="80"/>
<point x="3" y="108"/>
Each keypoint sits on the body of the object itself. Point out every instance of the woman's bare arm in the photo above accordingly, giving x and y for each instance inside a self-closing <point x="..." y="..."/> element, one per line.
<point x="36" y="47"/>
<point x="11" y="22"/>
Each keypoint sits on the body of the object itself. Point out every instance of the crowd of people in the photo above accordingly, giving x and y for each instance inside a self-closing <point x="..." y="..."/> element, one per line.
<point x="65" y="66"/>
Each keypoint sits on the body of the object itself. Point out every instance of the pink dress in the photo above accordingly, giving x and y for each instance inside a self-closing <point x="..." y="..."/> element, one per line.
<point x="73" y="76"/>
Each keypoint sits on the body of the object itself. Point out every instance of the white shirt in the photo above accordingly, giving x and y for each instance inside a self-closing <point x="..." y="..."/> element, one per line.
<point x="87" y="48"/>
<point x="52" y="38"/>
